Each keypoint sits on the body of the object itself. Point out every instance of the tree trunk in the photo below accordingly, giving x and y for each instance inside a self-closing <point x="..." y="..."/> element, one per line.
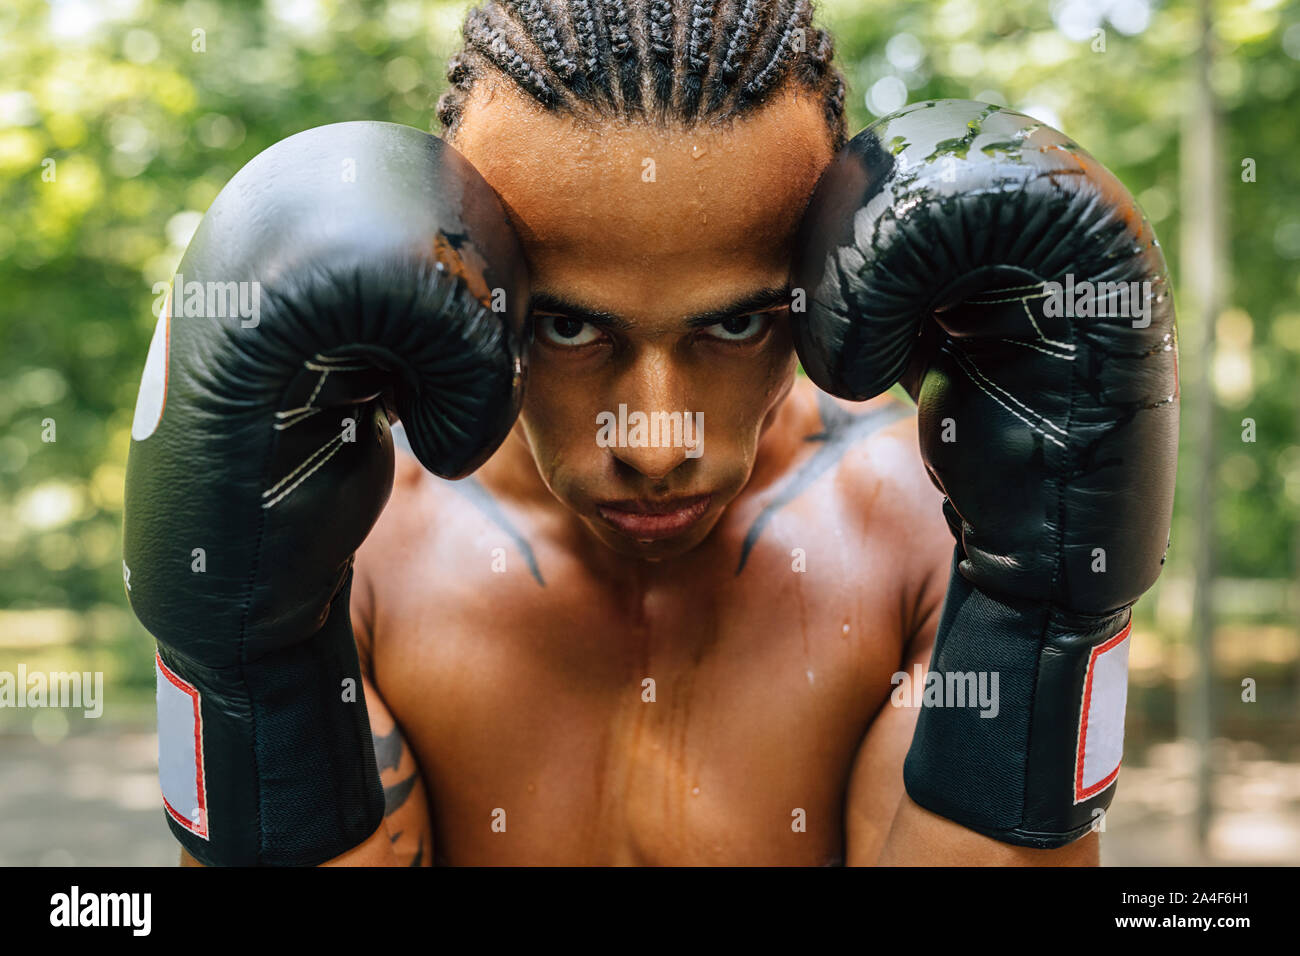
<point x="1202" y="261"/>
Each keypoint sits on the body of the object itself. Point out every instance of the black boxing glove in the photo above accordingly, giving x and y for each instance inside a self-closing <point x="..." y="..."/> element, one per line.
<point x="344" y="270"/>
<point x="1014" y="287"/>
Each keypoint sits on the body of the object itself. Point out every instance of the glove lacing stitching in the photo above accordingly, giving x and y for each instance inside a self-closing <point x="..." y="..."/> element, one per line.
<point x="972" y="371"/>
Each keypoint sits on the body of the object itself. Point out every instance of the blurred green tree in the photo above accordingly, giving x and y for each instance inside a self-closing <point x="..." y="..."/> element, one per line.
<point x="120" y="121"/>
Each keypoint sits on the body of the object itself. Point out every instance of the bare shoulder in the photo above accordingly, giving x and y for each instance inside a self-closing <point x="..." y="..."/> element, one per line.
<point x="399" y="542"/>
<point x="413" y="496"/>
<point x="887" y="493"/>
<point x="881" y="472"/>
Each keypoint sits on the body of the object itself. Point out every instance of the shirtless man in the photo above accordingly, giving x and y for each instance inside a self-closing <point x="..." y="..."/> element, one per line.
<point x="630" y="654"/>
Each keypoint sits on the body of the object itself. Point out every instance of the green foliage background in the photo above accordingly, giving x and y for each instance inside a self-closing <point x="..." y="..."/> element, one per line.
<point x="144" y="127"/>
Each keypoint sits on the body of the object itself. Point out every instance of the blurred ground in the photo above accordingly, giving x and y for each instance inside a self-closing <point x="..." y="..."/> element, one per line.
<point x="92" y="799"/>
<point x="88" y="800"/>
<point x="1257" y="820"/>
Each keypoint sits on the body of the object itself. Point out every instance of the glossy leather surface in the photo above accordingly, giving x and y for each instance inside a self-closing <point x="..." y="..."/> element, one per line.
<point x="928" y="253"/>
<point x="379" y="255"/>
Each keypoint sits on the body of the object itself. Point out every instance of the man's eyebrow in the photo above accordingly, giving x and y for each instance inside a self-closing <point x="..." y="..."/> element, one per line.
<point x="750" y="302"/>
<point x="546" y="302"/>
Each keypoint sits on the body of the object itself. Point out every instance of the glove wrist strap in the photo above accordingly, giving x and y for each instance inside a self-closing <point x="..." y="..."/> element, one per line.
<point x="1034" y="763"/>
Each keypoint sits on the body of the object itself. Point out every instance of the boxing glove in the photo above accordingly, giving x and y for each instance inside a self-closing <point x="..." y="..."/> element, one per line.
<point x="347" y="271"/>
<point x="1015" y="288"/>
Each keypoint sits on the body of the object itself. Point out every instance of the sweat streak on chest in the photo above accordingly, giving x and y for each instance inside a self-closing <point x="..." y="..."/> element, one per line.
<point x="713" y="725"/>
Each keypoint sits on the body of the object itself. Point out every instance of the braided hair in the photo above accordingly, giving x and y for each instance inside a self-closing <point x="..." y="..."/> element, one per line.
<point x="667" y="60"/>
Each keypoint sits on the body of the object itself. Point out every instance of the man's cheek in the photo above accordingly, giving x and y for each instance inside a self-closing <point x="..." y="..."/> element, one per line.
<point x="574" y="464"/>
<point x="553" y="428"/>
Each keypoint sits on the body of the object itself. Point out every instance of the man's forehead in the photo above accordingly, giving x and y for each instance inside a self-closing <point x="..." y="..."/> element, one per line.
<point x="638" y="190"/>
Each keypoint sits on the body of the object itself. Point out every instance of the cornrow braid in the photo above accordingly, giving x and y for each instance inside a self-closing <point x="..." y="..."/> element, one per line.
<point x="659" y="25"/>
<point x="834" y="109"/>
<point x="625" y="52"/>
<point x="460" y="74"/>
<point x="816" y="71"/>
<point x="742" y="33"/>
<point x="697" y="55"/>
<point x="486" y="33"/>
<point x="671" y="60"/>
<point x="584" y="29"/>
<point x="758" y="85"/>
<point x="545" y="35"/>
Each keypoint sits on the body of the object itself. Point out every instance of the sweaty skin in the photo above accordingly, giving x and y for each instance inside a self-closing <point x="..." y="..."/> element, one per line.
<point x="547" y="686"/>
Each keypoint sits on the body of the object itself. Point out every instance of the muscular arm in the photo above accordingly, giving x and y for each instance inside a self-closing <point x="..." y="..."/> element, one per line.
<point x="406" y="836"/>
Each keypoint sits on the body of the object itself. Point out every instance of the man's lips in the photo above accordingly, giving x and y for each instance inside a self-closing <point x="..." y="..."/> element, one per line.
<point x="652" y="520"/>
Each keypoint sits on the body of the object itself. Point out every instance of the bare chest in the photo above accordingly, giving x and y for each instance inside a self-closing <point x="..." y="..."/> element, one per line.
<point x="710" y="720"/>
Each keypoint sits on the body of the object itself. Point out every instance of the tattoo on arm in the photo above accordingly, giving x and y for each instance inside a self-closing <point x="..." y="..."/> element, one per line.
<point x="419" y="852"/>
<point x="841" y="429"/>
<point x="396" y="795"/>
<point x="389" y="749"/>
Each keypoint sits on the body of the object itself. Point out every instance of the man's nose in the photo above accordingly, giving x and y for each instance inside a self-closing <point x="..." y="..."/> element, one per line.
<point x="654" y="387"/>
<point x="654" y="463"/>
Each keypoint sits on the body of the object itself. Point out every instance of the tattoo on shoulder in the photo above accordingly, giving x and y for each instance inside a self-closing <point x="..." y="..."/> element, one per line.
<point x="841" y="429"/>
<point x="482" y="499"/>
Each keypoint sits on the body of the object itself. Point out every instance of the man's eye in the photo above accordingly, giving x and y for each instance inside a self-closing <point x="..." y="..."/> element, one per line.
<point x="564" y="330"/>
<point x="739" y="328"/>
